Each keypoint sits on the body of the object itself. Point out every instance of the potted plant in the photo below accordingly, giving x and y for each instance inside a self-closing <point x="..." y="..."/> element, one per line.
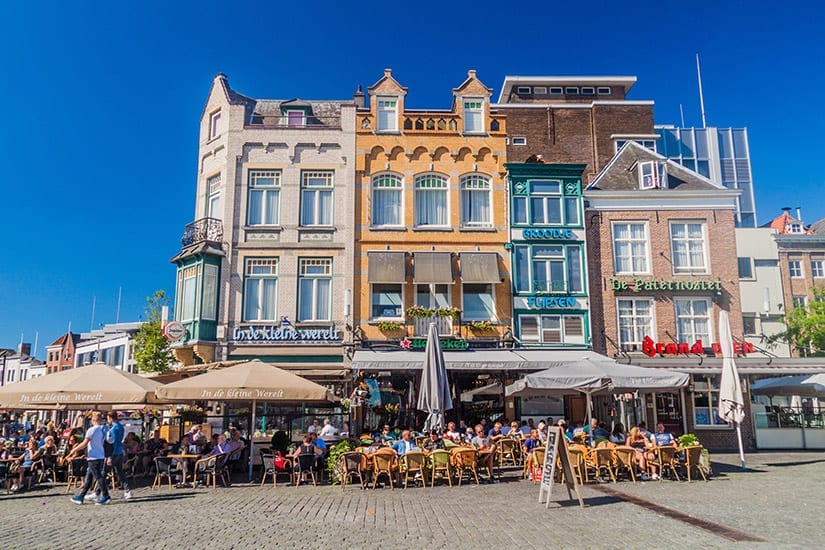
<point x="448" y="311"/>
<point x="419" y="311"/>
<point x="389" y="326"/>
<point x="480" y="326"/>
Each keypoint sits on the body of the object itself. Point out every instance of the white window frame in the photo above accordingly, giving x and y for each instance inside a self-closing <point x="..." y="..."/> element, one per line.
<point x="188" y="283"/>
<point x="268" y="193"/>
<point x="652" y="175"/>
<point x="380" y="183"/>
<point x="469" y="185"/>
<point x="795" y="268"/>
<point x="519" y="140"/>
<point x="419" y="188"/>
<point x="588" y="90"/>
<point x="630" y="241"/>
<point x="571" y="90"/>
<point x="817" y="268"/>
<point x="214" y="197"/>
<point x="799" y="301"/>
<point x="314" y="270"/>
<point x="688" y="240"/>
<point x="524" y="90"/>
<point x="381" y="107"/>
<point x="466" y="315"/>
<point x="474" y="106"/>
<point x="539" y="90"/>
<point x="401" y="289"/>
<point x="249" y="267"/>
<point x="214" y="124"/>
<point x="312" y="191"/>
<point x="603" y="90"/>
<point x="556" y="90"/>
<point x="290" y="112"/>
<point x="563" y="319"/>
<point x="635" y="321"/>
<point x="209" y="302"/>
<point x="707" y="386"/>
<point x="692" y="317"/>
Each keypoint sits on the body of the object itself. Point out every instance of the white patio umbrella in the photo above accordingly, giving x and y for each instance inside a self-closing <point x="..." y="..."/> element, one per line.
<point x="589" y="376"/>
<point x="434" y="396"/>
<point x="731" y="400"/>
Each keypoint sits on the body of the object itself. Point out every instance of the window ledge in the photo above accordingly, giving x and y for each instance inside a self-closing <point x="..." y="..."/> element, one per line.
<point x="388" y="132"/>
<point x="270" y="228"/>
<point x="308" y="324"/>
<point x="213" y="139"/>
<point x="438" y="228"/>
<point x="387" y="228"/>
<point x="475" y="134"/>
<point x="320" y="228"/>
<point x="378" y="320"/>
<point x="471" y="229"/>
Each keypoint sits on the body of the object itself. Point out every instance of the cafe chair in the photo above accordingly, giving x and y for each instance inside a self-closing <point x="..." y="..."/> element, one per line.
<point x="664" y="458"/>
<point x="693" y="457"/>
<point x="413" y="462"/>
<point x="383" y="462"/>
<point x="163" y="469"/>
<point x="465" y="460"/>
<point x="440" y="463"/>
<point x="272" y="469"/>
<point x="349" y="466"/>
<point x="75" y="473"/>
<point x="304" y="464"/>
<point x="625" y="461"/>
<point x="507" y="450"/>
<point x="599" y="460"/>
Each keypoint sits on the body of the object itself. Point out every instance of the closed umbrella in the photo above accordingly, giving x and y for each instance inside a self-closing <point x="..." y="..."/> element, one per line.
<point x="434" y="396"/>
<point x="249" y="381"/>
<point x="731" y="401"/>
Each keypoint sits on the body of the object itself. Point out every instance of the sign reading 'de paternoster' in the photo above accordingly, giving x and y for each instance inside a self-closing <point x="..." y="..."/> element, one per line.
<point x="274" y="334"/>
<point x="59" y="397"/>
<point x="637" y="285"/>
<point x="235" y="393"/>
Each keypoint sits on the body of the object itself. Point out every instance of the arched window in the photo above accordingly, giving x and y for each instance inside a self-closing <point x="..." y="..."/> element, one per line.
<point x="475" y="201"/>
<point x="431" y="204"/>
<point x="386" y="200"/>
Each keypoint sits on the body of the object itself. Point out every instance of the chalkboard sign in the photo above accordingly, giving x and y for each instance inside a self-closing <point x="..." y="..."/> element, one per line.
<point x="557" y="447"/>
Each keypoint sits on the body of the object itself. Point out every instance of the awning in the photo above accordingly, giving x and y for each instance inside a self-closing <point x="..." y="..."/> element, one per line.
<point x="777" y="366"/>
<point x="433" y="267"/>
<point x="479" y="267"/>
<point x="387" y="267"/>
<point x="475" y="360"/>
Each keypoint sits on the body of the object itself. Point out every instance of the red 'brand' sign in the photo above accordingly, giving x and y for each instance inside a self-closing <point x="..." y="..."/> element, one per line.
<point x="651" y="348"/>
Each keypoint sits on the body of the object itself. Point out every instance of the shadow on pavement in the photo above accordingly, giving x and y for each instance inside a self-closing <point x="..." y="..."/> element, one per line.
<point x="720" y="469"/>
<point x="162" y="498"/>
<point x="589" y="502"/>
<point x="796" y="463"/>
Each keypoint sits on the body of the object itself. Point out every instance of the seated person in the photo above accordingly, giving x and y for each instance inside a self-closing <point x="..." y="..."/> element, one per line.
<point x="48" y="446"/>
<point x="305" y="448"/>
<point x="640" y="444"/>
<point x="328" y="431"/>
<point x="452" y="434"/>
<point x="131" y="445"/>
<point x="26" y="461"/>
<point x="532" y="442"/>
<point x="433" y="442"/>
<point x="495" y="434"/>
<point x="319" y="442"/>
<point x="386" y="436"/>
<point x="661" y="439"/>
<point x="405" y="444"/>
<point x="195" y="434"/>
<point x="618" y="436"/>
<point x="155" y="446"/>
<point x="525" y="428"/>
<point x="515" y="431"/>
<point x="601" y="433"/>
<point x="482" y="443"/>
<point x="235" y="443"/>
<point x="221" y="447"/>
<point x="182" y="446"/>
<point x="211" y="444"/>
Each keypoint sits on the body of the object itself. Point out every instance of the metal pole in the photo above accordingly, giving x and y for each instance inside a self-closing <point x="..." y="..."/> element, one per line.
<point x="701" y="94"/>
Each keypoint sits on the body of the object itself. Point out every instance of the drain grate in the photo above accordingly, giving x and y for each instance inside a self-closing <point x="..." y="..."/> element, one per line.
<point x="719" y="530"/>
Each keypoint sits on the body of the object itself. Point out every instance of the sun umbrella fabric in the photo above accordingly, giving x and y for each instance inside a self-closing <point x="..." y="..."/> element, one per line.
<point x="804" y="385"/>
<point x="731" y="401"/>
<point x="434" y="397"/>
<point x="87" y="386"/>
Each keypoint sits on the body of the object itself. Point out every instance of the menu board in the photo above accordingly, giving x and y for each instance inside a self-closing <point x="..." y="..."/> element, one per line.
<point x="556" y="446"/>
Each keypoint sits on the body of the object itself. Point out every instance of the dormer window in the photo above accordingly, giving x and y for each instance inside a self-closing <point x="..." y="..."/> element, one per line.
<point x="387" y="114"/>
<point x="652" y="175"/>
<point x="215" y="124"/>
<point x="295" y="118"/>
<point x="473" y="115"/>
<point x="795" y="228"/>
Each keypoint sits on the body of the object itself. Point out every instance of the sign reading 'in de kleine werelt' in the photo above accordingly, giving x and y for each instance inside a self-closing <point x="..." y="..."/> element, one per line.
<point x="279" y="334"/>
<point x="638" y="285"/>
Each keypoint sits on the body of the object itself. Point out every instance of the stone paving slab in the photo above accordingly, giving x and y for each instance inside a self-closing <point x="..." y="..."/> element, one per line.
<point x="778" y="499"/>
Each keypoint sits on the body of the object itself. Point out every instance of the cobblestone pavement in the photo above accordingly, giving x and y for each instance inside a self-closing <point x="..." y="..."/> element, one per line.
<point x="778" y="499"/>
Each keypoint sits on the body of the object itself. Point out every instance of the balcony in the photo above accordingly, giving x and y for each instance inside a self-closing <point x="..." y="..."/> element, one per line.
<point x="421" y="325"/>
<point x="203" y="230"/>
<point x="433" y="123"/>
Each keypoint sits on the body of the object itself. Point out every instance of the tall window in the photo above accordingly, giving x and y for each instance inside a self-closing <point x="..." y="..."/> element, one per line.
<point x="387" y="114"/>
<point x="261" y="289"/>
<point x="557" y="268"/>
<point x="314" y="289"/>
<point x="475" y="201"/>
<point x="478" y="302"/>
<point x="188" y="290"/>
<point x="473" y="115"/>
<point x="215" y="124"/>
<point x="431" y="200"/>
<point x="386" y="301"/>
<point x="386" y="200"/>
<point x="630" y="248"/>
<point x="432" y="296"/>
<point x="209" y="308"/>
<point x="264" y="197"/>
<point x="795" y="268"/>
<point x="706" y="401"/>
<point x="213" y="206"/>
<point x="692" y="320"/>
<point x="552" y="329"/>
<point x="316" y="198"/>
<point x="817" y="268"/>
<point x="688" y="244"/>
<point x="635" y="322"/>
<point x="799" y="301"/>
<point x="745" y="267"/>
<point x="545" y="202"/>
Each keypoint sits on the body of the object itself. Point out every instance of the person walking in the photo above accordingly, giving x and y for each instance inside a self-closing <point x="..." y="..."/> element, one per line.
<point x="114" y="436"/>
<point x="95" y="458"/>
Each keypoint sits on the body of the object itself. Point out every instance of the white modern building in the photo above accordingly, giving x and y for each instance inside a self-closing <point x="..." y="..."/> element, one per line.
<point x="112" y="345"/>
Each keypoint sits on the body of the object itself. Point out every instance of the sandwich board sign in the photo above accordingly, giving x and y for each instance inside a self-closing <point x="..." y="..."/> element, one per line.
<point x="557" y="447"/>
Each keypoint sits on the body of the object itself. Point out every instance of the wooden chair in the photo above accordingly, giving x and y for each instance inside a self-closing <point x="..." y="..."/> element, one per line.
<point x="163" y="469"/>
<point x="664" y="457"/>
<point x="576" y="459"/>
<point x="384" y="461"/>
<point x="625" y="461"/>
<point x="508" y="450"/>
<point x="75" y="473"/>
<point x="465" y="459"/>
<point x="351" y="465"/>
<point x="537" y="463"/>
<point x="413" y="462"/>
<point x="440" y="462"/>
<point x="599" y="460"/>
<point x="304" y="464"/>
<point x="693" y="456"/>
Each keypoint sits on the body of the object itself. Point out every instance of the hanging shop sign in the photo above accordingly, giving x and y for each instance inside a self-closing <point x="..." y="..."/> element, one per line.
<point x="637" y="285"/>
<point x="652" y="348"/>
<point x="174" y="331"/>
<point x="281" y="334"/>
<point x="447" y="344"/>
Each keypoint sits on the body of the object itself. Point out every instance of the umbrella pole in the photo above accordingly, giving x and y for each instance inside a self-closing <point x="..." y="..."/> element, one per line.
<point x="589" y="417"/>
<point x="741" y="450"/>
<point x="252" y="440"/>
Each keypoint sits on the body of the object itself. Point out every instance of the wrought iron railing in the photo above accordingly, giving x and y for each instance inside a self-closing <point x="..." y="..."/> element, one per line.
<point x="204" y="229"/>
<point x="421" y="325"/>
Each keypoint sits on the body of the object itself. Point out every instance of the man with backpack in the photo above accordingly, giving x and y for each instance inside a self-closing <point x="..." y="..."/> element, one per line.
<point x="114" y="436"/>
<point x="95" y="458"/>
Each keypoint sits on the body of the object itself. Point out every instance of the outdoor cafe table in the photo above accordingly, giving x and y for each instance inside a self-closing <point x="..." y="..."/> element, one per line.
<point x="184" y="459"/>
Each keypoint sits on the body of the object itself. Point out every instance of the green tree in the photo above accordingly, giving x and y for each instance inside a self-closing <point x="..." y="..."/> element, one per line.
<point x="152" y="352"/>
<point x="806" y="326"/>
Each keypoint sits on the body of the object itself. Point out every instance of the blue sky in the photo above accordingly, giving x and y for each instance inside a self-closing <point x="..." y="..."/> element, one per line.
<point x="98" y="145"/>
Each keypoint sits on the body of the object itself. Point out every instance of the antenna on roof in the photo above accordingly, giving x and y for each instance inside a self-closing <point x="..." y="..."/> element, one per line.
<point x="701" y="94"/>
<point x="682" y="113"/>
<point x="117" y="314"/>
<point x="94" y="303"/>
<point x="36" y="338"/>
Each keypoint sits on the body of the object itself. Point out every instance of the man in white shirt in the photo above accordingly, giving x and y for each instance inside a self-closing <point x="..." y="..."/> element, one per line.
<point x="328" y="430"/>
<point x="315" y="427"/>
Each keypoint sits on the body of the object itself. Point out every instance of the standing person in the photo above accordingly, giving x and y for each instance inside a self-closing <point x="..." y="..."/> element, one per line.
<point x="114" y="436"/>
<point x="96" y="459"/>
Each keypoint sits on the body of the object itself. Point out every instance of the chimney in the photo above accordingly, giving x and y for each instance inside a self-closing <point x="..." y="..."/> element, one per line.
<point x="360" y="98"/>
<point x="24" y="348"/>
<point x="786" y="210"/>
<point x="799" y="213"/>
